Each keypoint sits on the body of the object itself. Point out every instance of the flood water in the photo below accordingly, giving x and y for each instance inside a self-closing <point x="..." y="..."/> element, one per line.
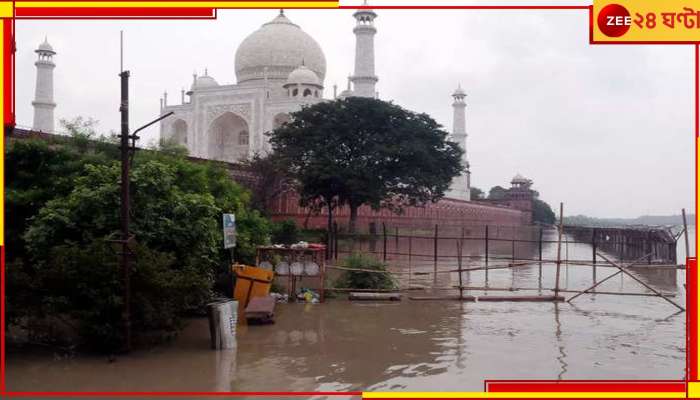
<point x="410" y="345"/>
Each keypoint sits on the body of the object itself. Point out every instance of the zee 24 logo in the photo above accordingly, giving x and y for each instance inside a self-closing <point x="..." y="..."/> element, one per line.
<point x="615" y="20"/>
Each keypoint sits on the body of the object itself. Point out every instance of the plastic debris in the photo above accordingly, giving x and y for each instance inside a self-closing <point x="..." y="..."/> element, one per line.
<point x="308" y="296"/>
<point x="280" y="298"/>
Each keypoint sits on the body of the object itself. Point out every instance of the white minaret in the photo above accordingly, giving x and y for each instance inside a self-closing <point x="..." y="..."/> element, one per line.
<point x="460" y="185"/>
<point x="364" y="78"/>
<point x="43" y="98"/>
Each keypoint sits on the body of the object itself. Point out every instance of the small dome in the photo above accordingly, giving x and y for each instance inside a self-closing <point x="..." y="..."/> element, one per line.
<point x="519" y="179"/>
<point x="45" y="47"/>
<point x="459" y="91"/>
<point x="277" y="49"/>
<point x="303" y="76"/>
<point x="204" y="81"/>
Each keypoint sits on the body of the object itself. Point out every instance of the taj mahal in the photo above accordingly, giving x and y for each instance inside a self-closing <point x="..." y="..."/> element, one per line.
<point x="279" y="69"/>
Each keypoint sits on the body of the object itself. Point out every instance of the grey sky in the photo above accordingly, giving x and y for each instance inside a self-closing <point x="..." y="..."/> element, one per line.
<point x="608" y="130"/>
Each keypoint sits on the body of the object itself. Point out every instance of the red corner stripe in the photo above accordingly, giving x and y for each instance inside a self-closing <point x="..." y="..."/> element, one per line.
<point x="85" y="12"/>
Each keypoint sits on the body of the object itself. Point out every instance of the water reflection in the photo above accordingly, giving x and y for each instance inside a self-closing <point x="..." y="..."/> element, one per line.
<point x="560" y="346"/>
<point x="346" y="344"/>
<point x="225" y="368"/>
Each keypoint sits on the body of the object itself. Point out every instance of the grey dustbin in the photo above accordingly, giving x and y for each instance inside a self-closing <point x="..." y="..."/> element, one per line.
<point x="223" y="316"/>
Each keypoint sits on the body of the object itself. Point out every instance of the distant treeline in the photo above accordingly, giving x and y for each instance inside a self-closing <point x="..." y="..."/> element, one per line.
<point x="583" y="220"/>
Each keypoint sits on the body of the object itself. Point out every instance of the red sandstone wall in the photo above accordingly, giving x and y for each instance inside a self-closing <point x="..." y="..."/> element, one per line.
<point x="446" y="211"/>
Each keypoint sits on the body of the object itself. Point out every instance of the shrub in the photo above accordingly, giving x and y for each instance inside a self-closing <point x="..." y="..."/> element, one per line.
<point x="362" y="279"/>
<point x="65" y="204"/>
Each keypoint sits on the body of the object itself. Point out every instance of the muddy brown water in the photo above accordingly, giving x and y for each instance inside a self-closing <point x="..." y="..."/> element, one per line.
<point x="408" y="345"/>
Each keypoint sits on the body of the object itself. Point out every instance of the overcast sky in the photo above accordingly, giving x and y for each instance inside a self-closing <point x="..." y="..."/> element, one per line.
<point x="608" y="130"/>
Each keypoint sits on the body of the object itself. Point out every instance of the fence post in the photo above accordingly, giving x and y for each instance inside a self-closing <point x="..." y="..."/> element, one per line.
<point x="561" y="231"/>
<point x="335" y="240"/>
<point x="461" y="243"/>
<point x="673" y="255"/>
<point x="486" y="247"/>
<point x="594" y="243"/>
<point x="595" y="250"/>
<point x="396" y="241"/>
<point x="486" y="253"/>
<point x="435" y="255"/>
<point x="540" y="256"/>
<point x="459" y="265"/>
<point x="410" y="236"/>
<point x="623" y="247"/>
<point x="384" y="234"/>
<point x="685" y="236"/>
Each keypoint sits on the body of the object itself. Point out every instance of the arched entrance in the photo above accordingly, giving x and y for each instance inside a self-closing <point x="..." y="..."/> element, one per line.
<point x="228" y="138"/>
<point x="179" y="132"/>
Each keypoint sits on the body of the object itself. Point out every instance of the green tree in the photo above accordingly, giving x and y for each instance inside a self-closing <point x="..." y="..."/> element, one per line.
<point x="475" y="193"/>
<point x="498" y="193"/>
<point x="542" y="212"/>
<point x="272" y="180"/>
<point x="358" y="151"/>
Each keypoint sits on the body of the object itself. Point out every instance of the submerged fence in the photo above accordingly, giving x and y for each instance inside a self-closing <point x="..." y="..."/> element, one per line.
<point x="512" y="243"/>
<point x="455" y="261"/>
<point x="473" y="258"/>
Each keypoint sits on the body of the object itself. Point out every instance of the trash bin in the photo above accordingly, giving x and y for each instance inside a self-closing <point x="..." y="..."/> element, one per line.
<point x="223" y="316"/>
<point x="251" y="282"/>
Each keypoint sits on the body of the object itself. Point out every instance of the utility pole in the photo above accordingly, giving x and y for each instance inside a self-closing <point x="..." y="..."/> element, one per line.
<point x="128" y="148"/>
<point x="125" y="156"/>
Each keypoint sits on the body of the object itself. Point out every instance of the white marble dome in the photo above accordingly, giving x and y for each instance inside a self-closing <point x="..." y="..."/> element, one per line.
<point x="303" y="76"/>
<point x="204" y="81"/>
<point x="277" y="49"/>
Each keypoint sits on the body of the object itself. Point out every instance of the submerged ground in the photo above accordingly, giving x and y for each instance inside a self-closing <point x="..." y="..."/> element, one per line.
<point x="411" y="345"/>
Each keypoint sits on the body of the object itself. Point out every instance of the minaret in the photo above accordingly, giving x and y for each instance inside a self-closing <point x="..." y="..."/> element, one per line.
<point x="364" y="78"/>
<point x="43" y="98"/>
<point x="459" y="123"/>
<point x="460" y="185"/>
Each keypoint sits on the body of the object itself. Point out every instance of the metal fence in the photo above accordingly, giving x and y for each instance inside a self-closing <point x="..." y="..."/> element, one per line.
<point x="512" y="243"/>
<point x="445" y="257"/>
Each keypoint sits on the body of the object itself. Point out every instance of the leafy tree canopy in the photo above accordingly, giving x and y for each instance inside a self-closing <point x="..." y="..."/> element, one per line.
<point x="63" y="199"/>
<point x="498" y="193"/>
<point x="359" y="151"/>
<point x="542" y="212"/>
